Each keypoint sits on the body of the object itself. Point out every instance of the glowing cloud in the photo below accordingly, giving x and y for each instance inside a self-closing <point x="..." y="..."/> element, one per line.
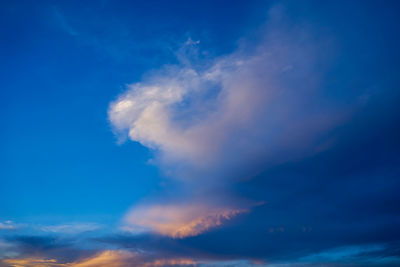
<point x="171" y="262"/>
<point x="32" y="262"/>
<point x="107" y="258"/>
<point x="178" y="221"/>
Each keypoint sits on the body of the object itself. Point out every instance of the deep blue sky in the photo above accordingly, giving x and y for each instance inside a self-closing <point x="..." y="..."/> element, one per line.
<point x="313" y="174"/>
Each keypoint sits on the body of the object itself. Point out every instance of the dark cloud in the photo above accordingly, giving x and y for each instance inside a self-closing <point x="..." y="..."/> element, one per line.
<point x="62" y="249"/>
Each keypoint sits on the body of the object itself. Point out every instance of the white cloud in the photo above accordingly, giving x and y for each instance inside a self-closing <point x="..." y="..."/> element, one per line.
<point x="242" y="106"/>
<point x="8" y="225"/>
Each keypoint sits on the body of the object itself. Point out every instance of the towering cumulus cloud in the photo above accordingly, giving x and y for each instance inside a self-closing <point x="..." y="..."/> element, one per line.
<point x="208" y="123"/>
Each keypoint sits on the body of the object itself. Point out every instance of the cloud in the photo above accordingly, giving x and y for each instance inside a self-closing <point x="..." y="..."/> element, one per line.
<point x="263" y="123"/>
<point x="215" y="121"/>
<point x="240" y="107"/>
<point x="219" y="124"/>
<point x="66" y="228"/>
<point x="177" y="220"/>
<point x="7" y="249"/>
<point x="107" y="258"/>
<point x="8" y="225"/>
<point x="31" y="262"/>
<point x="63" y="23"/>
<point x="72" y="228"/>
<point x="212" y="119"/>
<point x="172" y="262"/>
<point x="342" y="254"/>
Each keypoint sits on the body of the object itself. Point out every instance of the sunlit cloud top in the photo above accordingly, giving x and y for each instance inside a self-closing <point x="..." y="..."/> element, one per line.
<point x="239" y="107"/>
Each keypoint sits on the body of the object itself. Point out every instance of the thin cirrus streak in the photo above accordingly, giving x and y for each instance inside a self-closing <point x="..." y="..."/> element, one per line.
<point x="71" y="228"/>
<point x="171" y="262"/>
<point x="178" y="221"/>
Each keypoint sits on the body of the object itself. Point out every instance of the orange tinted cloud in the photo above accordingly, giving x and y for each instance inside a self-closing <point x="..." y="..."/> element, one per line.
<point x="31" y="262"/>
<point x="178" y="221"/>
<point x="107" y="258"/>
<point x="171" y="262"/>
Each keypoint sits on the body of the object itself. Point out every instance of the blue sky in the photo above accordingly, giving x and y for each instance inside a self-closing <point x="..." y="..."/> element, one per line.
<point x="199" y="133"/>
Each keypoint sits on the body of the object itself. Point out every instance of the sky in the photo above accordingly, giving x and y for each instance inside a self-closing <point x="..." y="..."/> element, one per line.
<point x="199" y="133"/>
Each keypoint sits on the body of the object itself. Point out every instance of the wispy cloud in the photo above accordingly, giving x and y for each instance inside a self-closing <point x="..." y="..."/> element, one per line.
<point x="179" y="220"/>
<point x="233" y="109"/>
<point x="63" y="23"/>
<point x="356" y="253"/>
<point x="71" y="228"/>
<point x="241" y="107"/>
<point x="65" y="228"/>
<point x="8" y="225"/>
<point x="32" y="262"/>
<point x="107" y="258"/>
<point x="7" y="249"/>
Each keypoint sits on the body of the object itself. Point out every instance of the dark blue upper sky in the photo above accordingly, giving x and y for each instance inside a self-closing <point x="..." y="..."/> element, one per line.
<point x="200" y="132"/>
